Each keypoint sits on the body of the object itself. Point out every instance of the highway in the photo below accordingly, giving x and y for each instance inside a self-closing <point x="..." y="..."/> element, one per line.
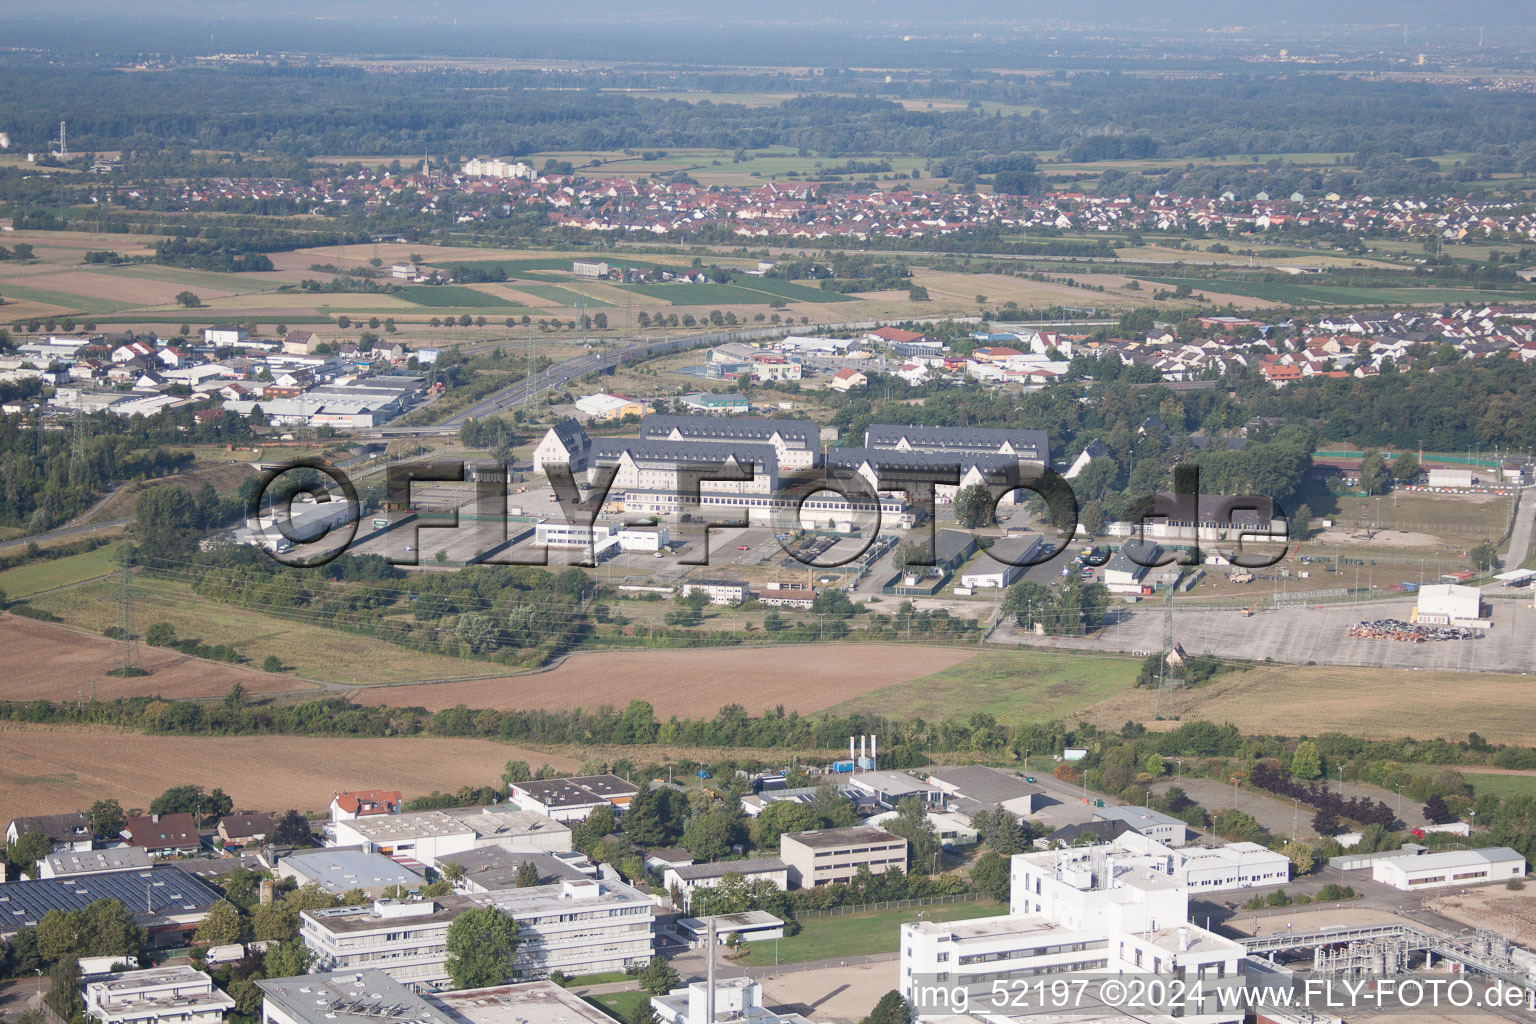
<point x="561" y="374"/>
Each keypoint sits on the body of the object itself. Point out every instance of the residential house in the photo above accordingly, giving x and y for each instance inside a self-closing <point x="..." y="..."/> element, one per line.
<point x="163" y="835"/>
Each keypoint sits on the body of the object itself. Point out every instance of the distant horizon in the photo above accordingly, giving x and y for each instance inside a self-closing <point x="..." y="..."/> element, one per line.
<point x="789" y="33"/>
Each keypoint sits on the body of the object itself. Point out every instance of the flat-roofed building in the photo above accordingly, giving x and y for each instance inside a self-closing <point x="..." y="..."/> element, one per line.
<point x="687" y="878"/>
<point x="1453" y="867"/>
<point x="345" y="997"/>
<point x="515" y="829"/>
<point x="343" y="870"/>
<point x="836" y="854"/>
<point x="90" y="862"/>
<point x="574" y="798"/>
<point x="164" y="900"/>
<point x="719" y="591"/>
<point x="160" y="995"/>
<point x="977" y="787"/>
<point x="422" y="836"/>
<point x="531" y="1002"/>
<point x="492" y="868"/>
<point x="751" y="925"/>
<point x="582" y="926"/>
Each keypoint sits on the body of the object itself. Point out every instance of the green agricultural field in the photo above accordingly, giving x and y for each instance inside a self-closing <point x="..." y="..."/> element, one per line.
<point x="827" y="938"/>
<point x="1014" y="687"/>
<point x="452" y="296"/>
<point x="26" y="580"/>
<point x="78" y="303"/>
<point x="555" y="293"/>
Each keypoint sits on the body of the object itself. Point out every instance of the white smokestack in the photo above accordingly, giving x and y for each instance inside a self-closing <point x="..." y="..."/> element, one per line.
<point x="863" y="747"/>
<point x="872" y="757"/>
<point x="850" y="748"/>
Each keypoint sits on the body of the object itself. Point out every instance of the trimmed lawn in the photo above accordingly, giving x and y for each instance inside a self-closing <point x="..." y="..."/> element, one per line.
<point x="1026" y="686"/>
<point x="622" y="1005"/>
<point x="26" y="580"/>
<point x="1502" y="786"/>
<point x="451" y="296"/>
<point x="827" y="938"/>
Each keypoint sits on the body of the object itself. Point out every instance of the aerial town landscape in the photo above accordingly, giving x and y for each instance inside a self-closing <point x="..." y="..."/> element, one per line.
<point x="788" y="515"/>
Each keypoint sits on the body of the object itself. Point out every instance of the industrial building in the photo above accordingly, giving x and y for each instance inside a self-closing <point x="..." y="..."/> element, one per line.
<point x="160" y="995"/>
<point x="1449" y="604"/>
<point x="719" y="591"/>
<point x="164" y="900"/>
<point x="530" y="1002"/>
<point x="426" y="836"/>
<point x="836" y="854"/>
<point x="751" y="925"/>
<point x="1003" y="563"/>
<point x="739" y="1000"/>
<point x="1451" y="868"/>
<point x="347" y="997"/>
<point x="1165" y="828"/>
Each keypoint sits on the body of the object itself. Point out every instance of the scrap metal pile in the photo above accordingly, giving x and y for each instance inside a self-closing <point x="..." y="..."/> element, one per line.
<point x="1408" y="633"/>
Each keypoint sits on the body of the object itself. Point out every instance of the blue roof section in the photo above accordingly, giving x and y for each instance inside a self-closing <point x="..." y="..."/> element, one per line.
<point x="160" y="889"/>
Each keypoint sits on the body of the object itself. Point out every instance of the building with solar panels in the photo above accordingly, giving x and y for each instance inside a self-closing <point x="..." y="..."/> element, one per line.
<point x="164" y="900"/>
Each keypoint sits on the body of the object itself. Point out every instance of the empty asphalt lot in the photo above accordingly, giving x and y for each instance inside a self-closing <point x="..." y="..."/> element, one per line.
<point x="1307" y="633"/>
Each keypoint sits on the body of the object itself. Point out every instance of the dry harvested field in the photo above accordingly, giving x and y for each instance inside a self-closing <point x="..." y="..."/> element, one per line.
<point x="117" y="288"/>
<point x="691" y="683"/>
<point x="57" y="768"/>
<point x="45" y="661"/>
<point x="1377" y="703"/>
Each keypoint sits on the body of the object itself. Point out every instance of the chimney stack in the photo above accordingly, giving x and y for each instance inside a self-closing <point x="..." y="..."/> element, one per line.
<point x="850" y="748"/>
<point x="709" y="972"/>
<point x="873" y="763"/>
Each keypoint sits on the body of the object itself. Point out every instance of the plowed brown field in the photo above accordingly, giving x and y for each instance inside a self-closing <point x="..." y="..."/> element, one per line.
<point x="54" y="769"/>
<point x="690" y="683"/>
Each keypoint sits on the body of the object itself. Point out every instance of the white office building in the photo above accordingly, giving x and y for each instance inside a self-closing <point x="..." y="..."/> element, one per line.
<point x="1071" y="911"/>
<point x="426" y="836"/>
<point x="160" y="995"/>
<point x="579" y="927"/>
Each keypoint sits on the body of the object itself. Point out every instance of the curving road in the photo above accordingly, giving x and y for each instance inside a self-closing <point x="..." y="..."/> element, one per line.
<point x="561" y="374"/>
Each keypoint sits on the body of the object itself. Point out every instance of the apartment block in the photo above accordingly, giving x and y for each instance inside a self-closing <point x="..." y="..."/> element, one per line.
<point x="836" y="854"/>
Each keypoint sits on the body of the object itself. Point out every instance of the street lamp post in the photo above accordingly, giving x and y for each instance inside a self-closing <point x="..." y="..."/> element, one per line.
<point x="1399" y="801"/>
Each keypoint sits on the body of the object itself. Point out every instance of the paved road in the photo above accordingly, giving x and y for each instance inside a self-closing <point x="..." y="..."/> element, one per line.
<point x="563" y="373"/>
<point x="1520" y="539"/>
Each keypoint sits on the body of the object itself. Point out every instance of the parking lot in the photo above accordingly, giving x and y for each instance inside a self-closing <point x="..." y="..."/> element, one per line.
<point x="1307" y="633"/>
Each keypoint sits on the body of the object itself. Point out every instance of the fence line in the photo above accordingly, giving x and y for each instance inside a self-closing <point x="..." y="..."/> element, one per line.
<point x="921" y="901"/>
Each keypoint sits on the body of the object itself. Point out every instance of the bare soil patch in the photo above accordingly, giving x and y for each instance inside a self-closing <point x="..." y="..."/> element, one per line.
<point x="49" y="770"/>
<point x="691" y="683"/>
<point x="45" y="661"/>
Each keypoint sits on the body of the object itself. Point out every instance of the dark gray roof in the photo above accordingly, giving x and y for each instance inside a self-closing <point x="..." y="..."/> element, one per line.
<point x="61" y="828"/>
<point x="1008" y="551"/>
<point x="719" y="869"/>
<point x="984" y="785"/>
<point x="609" y="450"/>
<point x="571" y="434"/>
<point x="951" y="544"/>
<point x="1101" y="830"/>
<point x="575" y="792"/>
<point x="1145" y="551"/>
<point x="158" y="890"/>
<point x="991" y="464"/>
<point x="495" y="867"/>
<point x="1032" y="444"/>
<point x="794" y="433"/>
